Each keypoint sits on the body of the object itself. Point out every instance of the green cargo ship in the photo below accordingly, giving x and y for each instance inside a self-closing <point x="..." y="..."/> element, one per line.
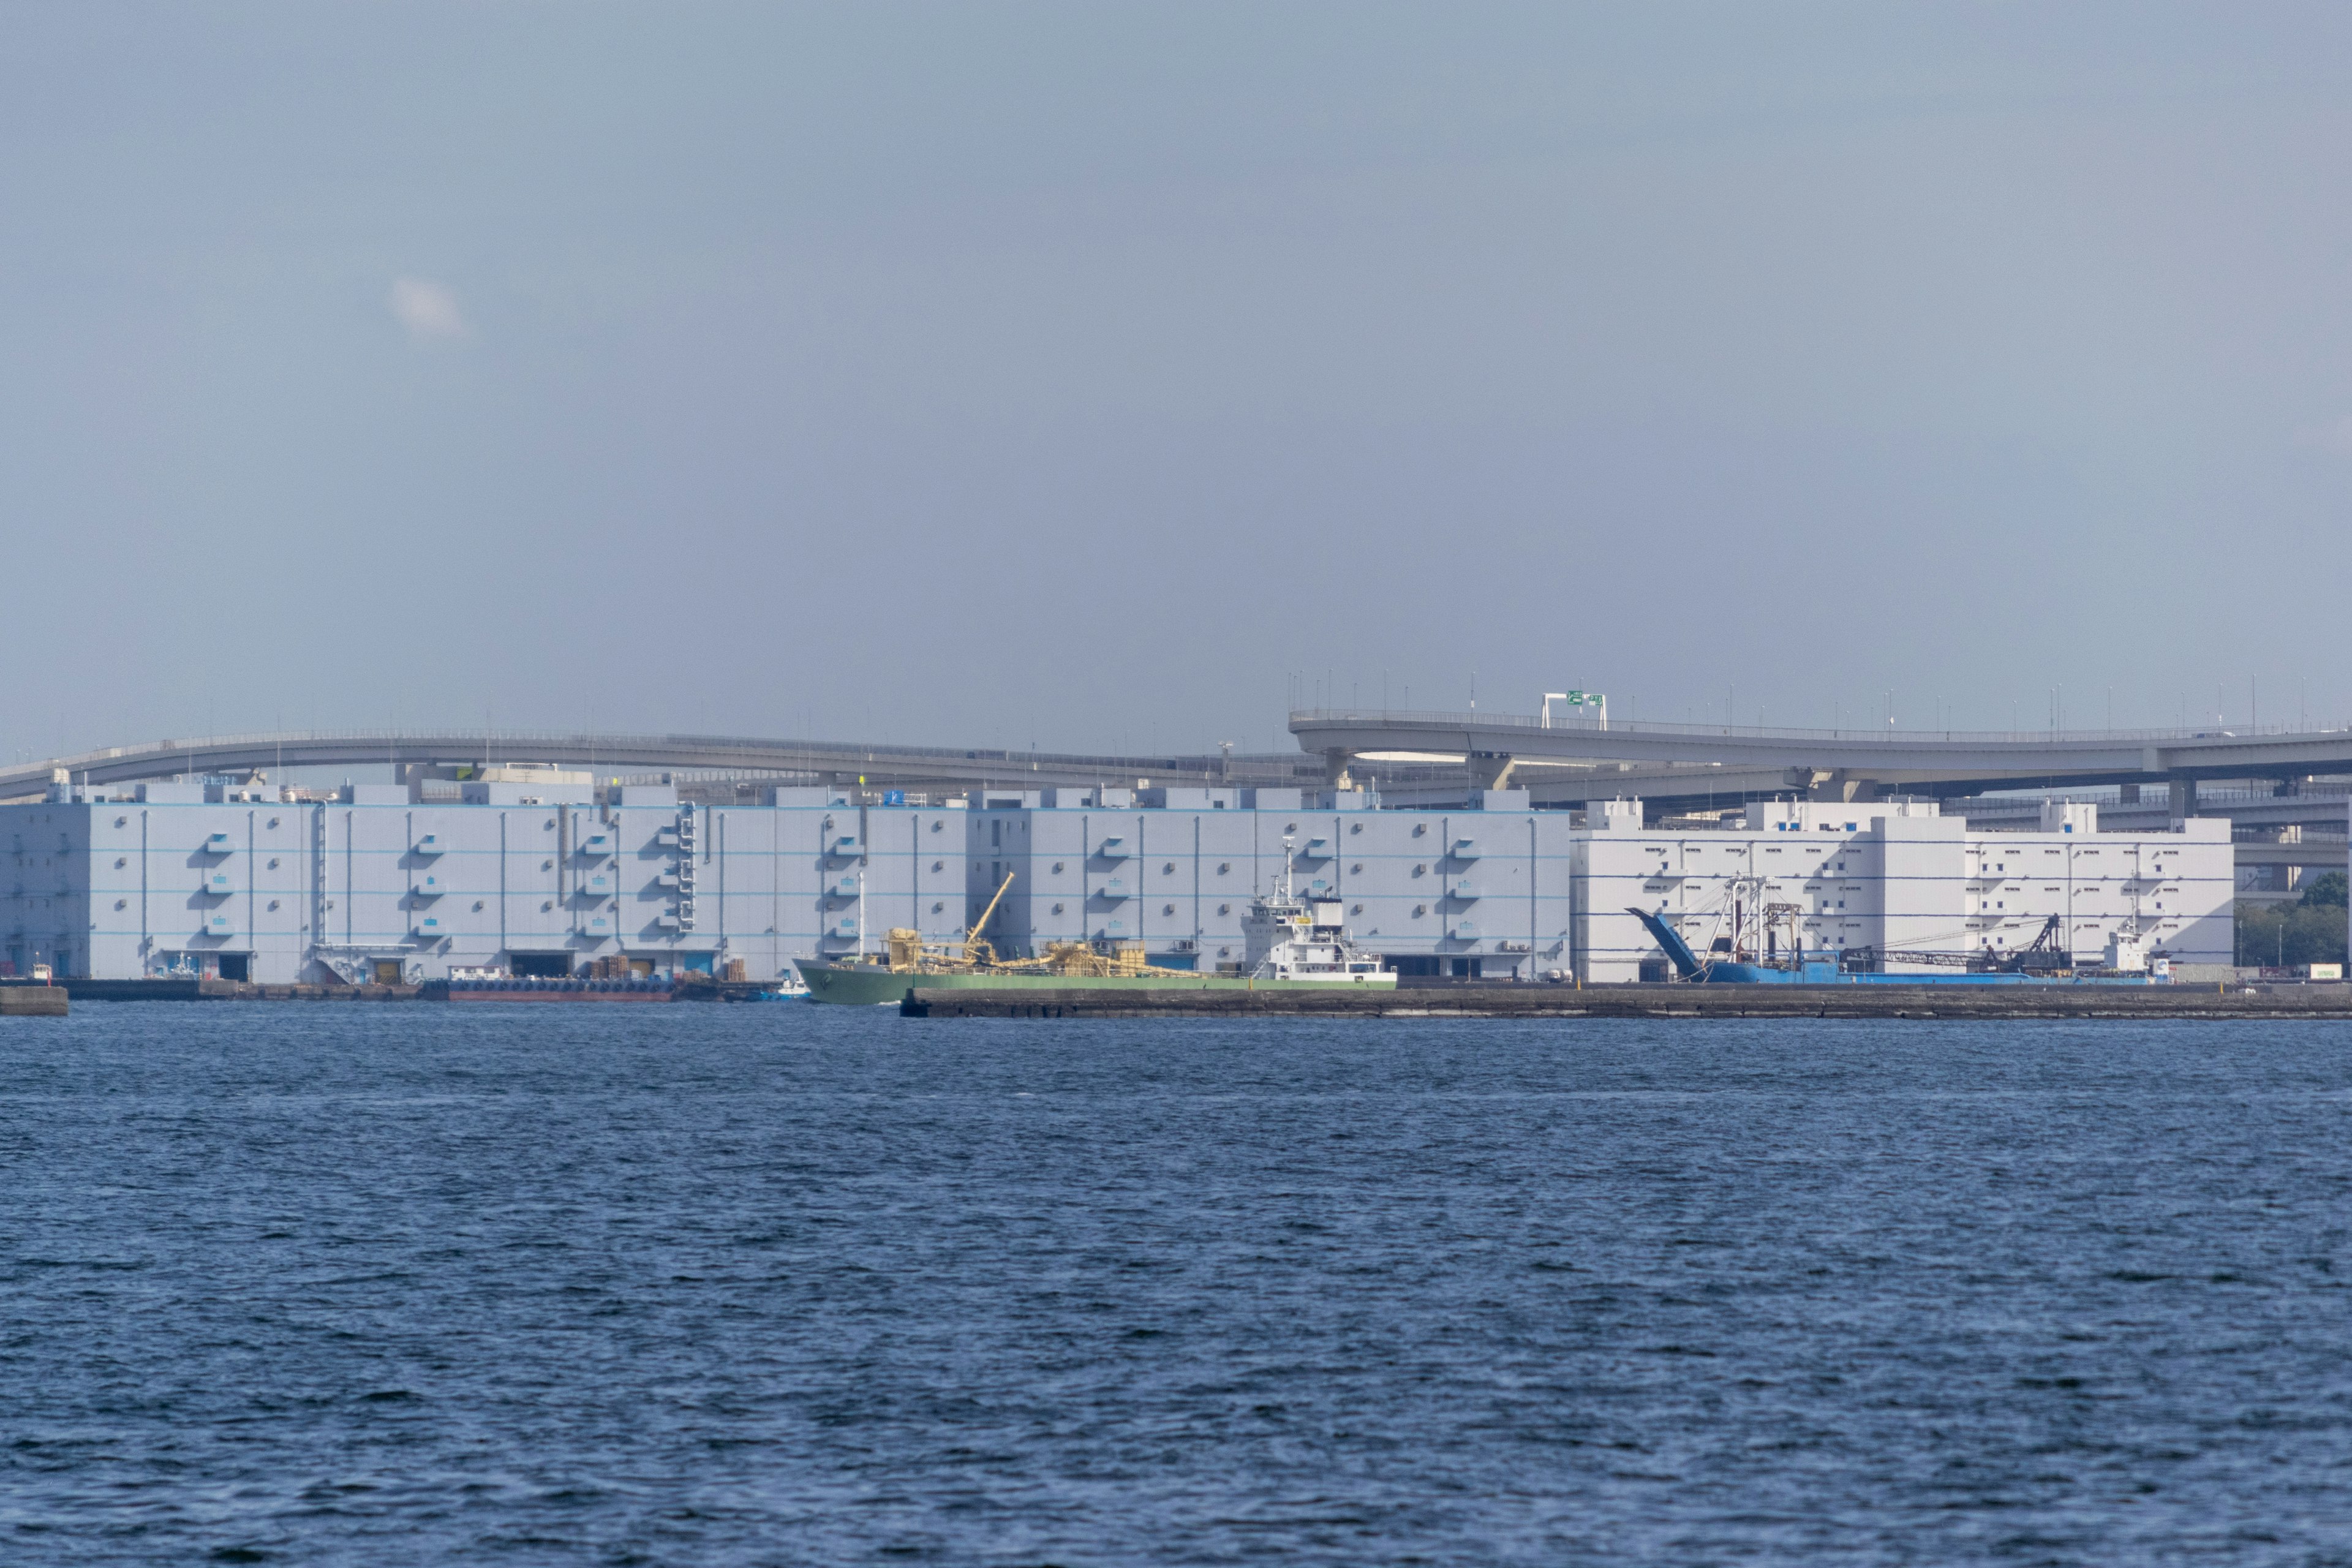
<point x="1291" y="944"/>
<point x="873" y="984"/>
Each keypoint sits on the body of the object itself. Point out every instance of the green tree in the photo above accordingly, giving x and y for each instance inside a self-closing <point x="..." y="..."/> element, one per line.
<point x="2325" y="892"/>
<point x="2303" y="933"/>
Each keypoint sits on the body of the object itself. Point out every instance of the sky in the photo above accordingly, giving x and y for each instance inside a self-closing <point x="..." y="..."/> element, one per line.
<point x="1115" y="377"/>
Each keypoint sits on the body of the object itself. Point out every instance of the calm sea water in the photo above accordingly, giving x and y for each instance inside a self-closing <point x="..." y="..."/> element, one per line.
<point x="786" y="1284"/>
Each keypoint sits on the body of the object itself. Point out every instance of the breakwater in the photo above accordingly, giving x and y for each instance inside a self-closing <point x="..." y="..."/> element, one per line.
<point x="32" y="1001"/>
<point x="1936" y="1001"/>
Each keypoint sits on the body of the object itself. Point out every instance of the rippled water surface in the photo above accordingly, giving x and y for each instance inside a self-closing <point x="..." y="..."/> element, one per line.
<point x="783" y="1284"/>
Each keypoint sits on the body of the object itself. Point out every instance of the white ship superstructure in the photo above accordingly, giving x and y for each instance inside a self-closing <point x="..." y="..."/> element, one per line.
<point x="1285" y="937"/>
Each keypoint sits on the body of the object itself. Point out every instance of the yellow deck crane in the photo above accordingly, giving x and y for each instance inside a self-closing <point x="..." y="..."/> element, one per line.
<point x="909" y="954"/>
<point x="977" y="952"/>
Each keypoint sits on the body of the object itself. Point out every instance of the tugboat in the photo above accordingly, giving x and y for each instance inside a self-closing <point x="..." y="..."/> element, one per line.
<point x="1292" y="943"/>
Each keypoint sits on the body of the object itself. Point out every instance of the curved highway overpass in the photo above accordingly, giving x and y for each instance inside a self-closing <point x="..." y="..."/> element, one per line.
<point x="897" y="767"/>
<point x="1581" y="759"/>
<point x="1409" y="754"/>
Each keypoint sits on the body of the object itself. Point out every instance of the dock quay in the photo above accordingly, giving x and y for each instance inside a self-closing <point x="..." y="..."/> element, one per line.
<point x="195" y="988"/>
<point x="1650" y="1001"/>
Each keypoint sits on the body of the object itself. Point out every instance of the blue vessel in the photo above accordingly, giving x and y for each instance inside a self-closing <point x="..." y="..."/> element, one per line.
<point x="1823" y="968"/>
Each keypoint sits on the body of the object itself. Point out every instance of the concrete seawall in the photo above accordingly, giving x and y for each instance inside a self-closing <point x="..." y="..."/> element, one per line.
<point x="191" y="989"/>
<point x="1989" y="1001"/>
<point x="195" y="990"/>
<point x="32" y="1001"/>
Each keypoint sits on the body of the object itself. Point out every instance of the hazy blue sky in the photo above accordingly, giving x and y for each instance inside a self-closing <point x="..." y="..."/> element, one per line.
<point x="1080" y="373"/>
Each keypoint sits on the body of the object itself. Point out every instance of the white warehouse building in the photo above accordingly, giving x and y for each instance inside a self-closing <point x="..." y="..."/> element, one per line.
<point x="1896" y="876"/>
<point x="538" y="872"/>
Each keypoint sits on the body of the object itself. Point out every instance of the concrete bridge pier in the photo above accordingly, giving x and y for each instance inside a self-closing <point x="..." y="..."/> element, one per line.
<point x="1837" y="785"/>
<point x="1491" y="770"/>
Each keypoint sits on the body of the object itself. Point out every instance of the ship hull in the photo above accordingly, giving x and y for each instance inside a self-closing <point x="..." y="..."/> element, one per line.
<point x="877" y="988"/>
<point x="456" y="994"/>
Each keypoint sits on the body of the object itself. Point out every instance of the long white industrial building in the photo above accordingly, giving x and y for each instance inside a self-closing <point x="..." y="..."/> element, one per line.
<point x="539" y="871"/>
<point x="1897" y="877"/>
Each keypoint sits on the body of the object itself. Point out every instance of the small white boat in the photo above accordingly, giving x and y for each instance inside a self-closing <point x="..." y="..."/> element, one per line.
<point x="790" y="987"/>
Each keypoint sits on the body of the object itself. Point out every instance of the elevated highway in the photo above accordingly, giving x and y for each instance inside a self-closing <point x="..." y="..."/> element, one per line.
<point x="895" y="767"/>
<point x="1412" y="757"/>
<point x="1678" y="765"/>
<point x="2322" y="808"/>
